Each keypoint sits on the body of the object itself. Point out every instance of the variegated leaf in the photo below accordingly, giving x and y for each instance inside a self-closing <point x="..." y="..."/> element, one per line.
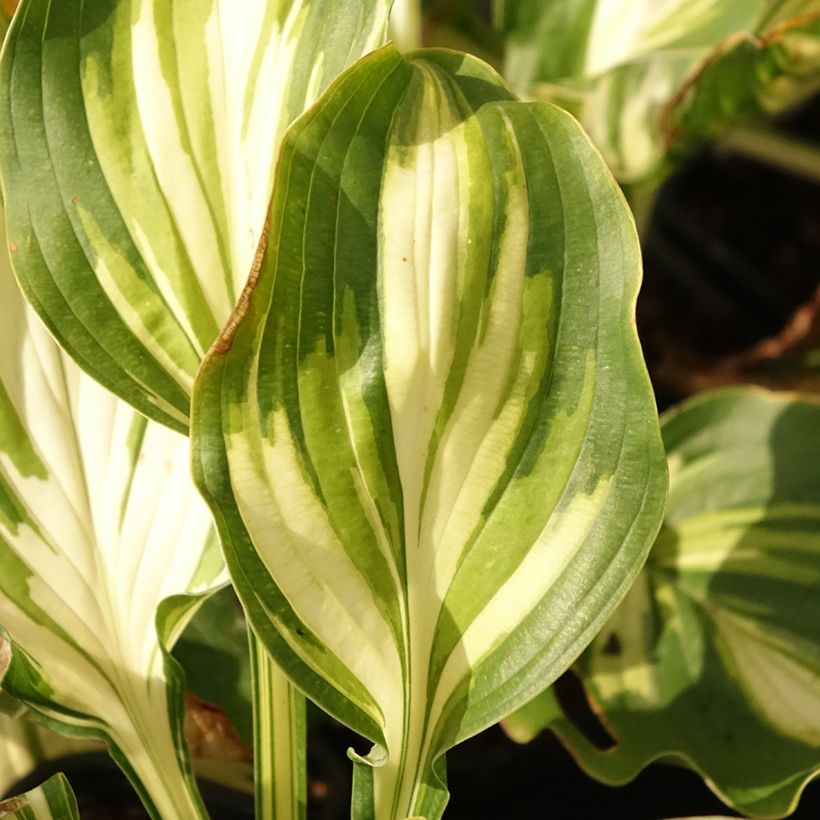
<point x="137" y="146"/>
<point x="617" y="64"/>
<point x="54" y="800"/>
<point x="26" y="744"/>
<point x="551" y="40"/>
<point x="714" y="655"/>
<point x="99" y="524"/>
<point x="746" y="81"/>
<point x="427" y="434"/>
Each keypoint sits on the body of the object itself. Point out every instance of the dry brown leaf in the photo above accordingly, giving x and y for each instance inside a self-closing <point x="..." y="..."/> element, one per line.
<point x="210" y="733"/>
<point x="778" y="363"/>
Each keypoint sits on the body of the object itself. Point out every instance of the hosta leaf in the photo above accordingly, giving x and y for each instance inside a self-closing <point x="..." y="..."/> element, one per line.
<point x="784" y="67"/>
<point x="99" y="523"/>
<point x="218" y="756"/>
<point x="54" y="800"/>
<point x="550" y="40"/>
<point x="427" y="435"/>
<point x="618" y="64"/>
<point x="137" y="146"/>
<point x="714" y="655"/>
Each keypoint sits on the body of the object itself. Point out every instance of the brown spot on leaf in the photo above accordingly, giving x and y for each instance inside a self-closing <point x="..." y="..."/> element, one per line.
<point x="13" y="247"/>
<point x="75" y="200"/>
<point x="9" y="7"/>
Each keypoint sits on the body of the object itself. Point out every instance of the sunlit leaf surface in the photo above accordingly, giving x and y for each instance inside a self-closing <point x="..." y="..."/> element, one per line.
<point x="99" y="523"/>
<point x="620" y="64"/>
<point x="427" y="435"/>
<point x="138" y="141"/>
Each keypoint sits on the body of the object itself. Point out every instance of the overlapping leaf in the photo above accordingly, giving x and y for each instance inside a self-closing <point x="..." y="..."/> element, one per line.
<point x="619" y="63"/>
<point x="54" y="800"/>
<point x="138" y="141"/>
<point x="427" y="435"/>
<point x="99" y="523"/>
<point x="747" y="80"/>
<point x="714" y="655"/>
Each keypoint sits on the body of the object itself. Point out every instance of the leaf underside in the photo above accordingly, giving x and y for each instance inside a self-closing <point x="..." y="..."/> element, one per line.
<point x="99" y="524"/>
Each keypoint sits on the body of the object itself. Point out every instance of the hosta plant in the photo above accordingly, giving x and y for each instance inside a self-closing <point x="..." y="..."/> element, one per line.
<point x="391" y="305"/>
<point x="471" y="453"/>
<point x="650" y="79"/>
<point x="456" y="470"/>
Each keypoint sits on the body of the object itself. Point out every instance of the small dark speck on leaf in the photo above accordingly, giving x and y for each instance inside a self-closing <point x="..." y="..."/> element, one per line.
<point x="612" y="645"/>
<point x="75" y="200"/>
<point x="300" y="632"/>
<point x="404" y="259"/>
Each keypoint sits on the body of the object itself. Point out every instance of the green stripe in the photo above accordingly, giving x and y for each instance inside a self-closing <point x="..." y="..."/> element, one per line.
<point x="54" y="800"/>
<point x="279" y="740"/>
<point x="138" y="173"/>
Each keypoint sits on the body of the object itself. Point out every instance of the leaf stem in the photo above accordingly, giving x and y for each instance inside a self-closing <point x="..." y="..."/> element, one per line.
<point x="405" y="24"/>
<point x="279" y="740"/>
<point x="775" y="149"/>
